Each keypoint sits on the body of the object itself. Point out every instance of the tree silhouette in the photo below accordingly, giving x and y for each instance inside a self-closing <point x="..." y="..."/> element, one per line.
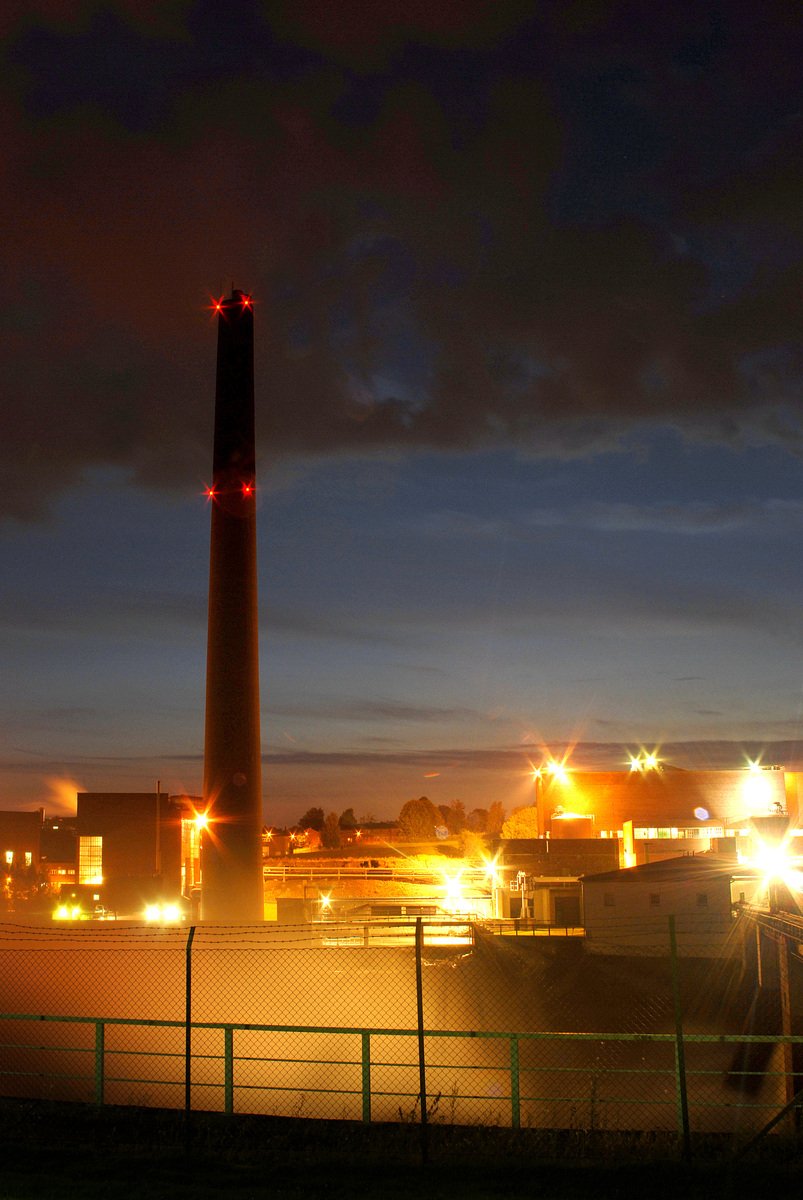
<point x="522" y="823"/>
<point x="477" y="820"/>
<point x="330" y="834"/>
<point x="418" y="818"/>
<point x="313" y="819"/>
<point x="496" y="818"/>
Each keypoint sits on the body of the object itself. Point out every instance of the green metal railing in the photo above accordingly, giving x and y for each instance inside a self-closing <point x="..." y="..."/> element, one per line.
<point x="664" y="1083"/>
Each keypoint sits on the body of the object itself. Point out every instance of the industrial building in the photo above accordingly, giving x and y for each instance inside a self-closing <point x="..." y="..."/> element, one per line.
<point x="658" y="811"/>
<point x="137" y="848"/>
<point x="605" y="824"/>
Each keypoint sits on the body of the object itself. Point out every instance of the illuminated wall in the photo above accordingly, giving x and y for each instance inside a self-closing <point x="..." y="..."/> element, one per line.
<point x="666" y="797"/>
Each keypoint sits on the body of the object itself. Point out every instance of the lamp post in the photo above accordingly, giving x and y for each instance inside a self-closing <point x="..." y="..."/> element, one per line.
<point x="538" y="799"/>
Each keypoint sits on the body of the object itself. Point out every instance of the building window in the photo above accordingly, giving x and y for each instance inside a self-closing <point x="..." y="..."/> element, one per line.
<point x="9" y="858"/>
<point x="190" y="854"/>
<point x="90" y="860"/>
<point x="655" y="900"/>
<point x="702" y="899"/>
<point x="28" y="858"/>
<point x="608" y="899"/>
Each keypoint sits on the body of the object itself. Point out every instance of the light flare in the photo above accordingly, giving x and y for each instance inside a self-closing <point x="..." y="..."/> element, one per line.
<point x="558" y="771"/>
<point x="645" y="760"/>
<point x="491" y="873"/>
<point x="778" y="865"/>
<point x="454" y="899"/>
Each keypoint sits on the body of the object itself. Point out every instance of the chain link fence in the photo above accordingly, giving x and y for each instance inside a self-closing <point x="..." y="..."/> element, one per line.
<point x="403" y="1022"/>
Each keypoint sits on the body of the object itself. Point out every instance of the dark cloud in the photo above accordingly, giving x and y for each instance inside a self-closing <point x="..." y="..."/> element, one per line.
<point x="333" y="624"/>
<point x="697" y="754"/>
<point x="682" y="518"/>
<point x="466" y="226"/>
<point x="108" y="610"/>
<point x="692" y="754"/>
<point x="342" y="708"/>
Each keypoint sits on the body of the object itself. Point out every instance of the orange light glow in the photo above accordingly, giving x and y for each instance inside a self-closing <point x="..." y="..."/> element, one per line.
<point x="491" y="872"/>
<point x="558" y="772"/>
<point x="454" y="900"/>
<point x="778" y="865"/>
<point x="63" y="792"/>
<point x="645" y="761"/>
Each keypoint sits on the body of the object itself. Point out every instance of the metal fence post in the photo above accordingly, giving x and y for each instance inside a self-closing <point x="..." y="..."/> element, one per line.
<point x="680" y="1054"/>
<point x="188" y="1022"/>
<point x="100" y="1039"/>
<point x="422" y="1068"/>
<point x="366" y="1077"/>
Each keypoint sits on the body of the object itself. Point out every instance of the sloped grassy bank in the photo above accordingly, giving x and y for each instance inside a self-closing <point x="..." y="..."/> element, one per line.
<point x="115" y="1153"/>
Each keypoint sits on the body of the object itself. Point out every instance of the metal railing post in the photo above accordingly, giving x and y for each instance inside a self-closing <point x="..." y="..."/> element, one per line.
<point x="366" y="1077"/>
<point x="228" y="1069"/>
<point x="515" y="1093"/>
<point x="422" y="1067"/>
<point x="100" y="1041"/>
<point x="680" y="1053"/>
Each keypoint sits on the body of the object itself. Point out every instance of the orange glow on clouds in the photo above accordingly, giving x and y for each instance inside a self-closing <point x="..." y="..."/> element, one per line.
<point x="63" y="792"/>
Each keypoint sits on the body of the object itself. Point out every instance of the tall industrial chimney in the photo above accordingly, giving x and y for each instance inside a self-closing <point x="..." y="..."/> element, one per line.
<point x="231" y="863"/>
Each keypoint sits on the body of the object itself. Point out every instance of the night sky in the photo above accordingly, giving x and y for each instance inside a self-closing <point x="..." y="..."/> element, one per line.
<point x="527" y="295"/>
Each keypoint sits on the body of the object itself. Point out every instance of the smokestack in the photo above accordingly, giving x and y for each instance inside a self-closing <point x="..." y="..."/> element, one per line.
<point x="231" y="863"/>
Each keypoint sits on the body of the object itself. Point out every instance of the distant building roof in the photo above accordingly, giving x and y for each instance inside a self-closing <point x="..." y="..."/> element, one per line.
<point x="685" y="866"/>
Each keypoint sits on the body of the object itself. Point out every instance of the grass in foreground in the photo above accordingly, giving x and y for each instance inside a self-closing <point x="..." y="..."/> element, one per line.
<point x="65" y="1151"/>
